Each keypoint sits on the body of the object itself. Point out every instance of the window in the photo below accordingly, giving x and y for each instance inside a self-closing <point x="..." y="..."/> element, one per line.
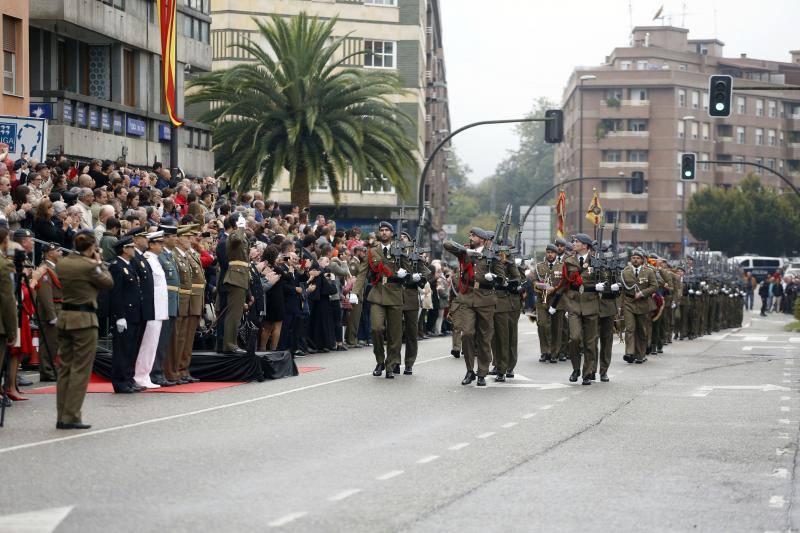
<point x="772" y="109"/>
<point x="759" y="136"/>
<point x="624" y="65"/>
<point x="705" y="99"/>
<point x="740" y="138"/>
<point x="613" y="156"/>
<point x="379" y="54"/>
<point x="759" y="107"/>
<point x="637" y="217"/>
<point x="119" y="4"/>
<point x="695" y="99"/>
<point x="771" y="138"/>
<point x="739" y="166"/>
<point x="704" y="157"/>
<point x="614" y="93"/>
<point x="390" y="3"/>
<point x="129" y="78"/>
<point x="683" y="67"/>
<point x="678" y="220"/>
<point x="637" y="156"/>
<point x="680" y="189"/>
<point x="636" y="175"/>
<point x="637" y="125"/>
<point x="610" y="216"/>
<point x="771" y="164"/>
<point x="780" y="138"/>
<point x="694" y="130"/>
<point x="681" y="98"/>
<point x="741" y="104"/>
<point x="377" y="185"/>
<point x="639" y="94"/>
<point x="706" y="130"/>
<point x="681" y="129"/>
<point x="759" y="161"/>
<point x="10" y="28"/>
<point x="641" y="64"/>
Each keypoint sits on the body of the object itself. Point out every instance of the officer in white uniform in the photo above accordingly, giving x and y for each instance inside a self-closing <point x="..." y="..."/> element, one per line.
<point x="147" y="350"/>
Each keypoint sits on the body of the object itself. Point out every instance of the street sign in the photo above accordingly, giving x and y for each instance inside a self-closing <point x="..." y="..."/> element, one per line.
<point x="450" y="229"/>
<point x="24" y="134"/>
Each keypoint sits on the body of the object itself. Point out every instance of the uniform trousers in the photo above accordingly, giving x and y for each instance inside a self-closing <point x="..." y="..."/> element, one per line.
<point x="544" y="326"/>
<point x="172" y="360"/>
<point x="123" y="355"/>
<point x="48" y="350"/>
<point x="77" y="356"/>
<point x="147" y="353"/>
<point x="387" y="329"/>
<point x="353" y="320"/>
<point x="513" y="340"/>
<point x="583" y="336"/>
<point x="410" y="336"/>
<point x="164" y="340"/>
<point x="636" y="326"/>
<point x="477" y="330"/>
<point x="558" y="339"/>
<point x="605" y="326"/>
<point x="501" y="356"/>
<point x="455" y="319"/>
<point x="189" y="327"/>
<point x="233" y="316"/>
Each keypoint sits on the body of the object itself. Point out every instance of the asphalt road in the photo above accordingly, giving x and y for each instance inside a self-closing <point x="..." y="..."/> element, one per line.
<point x="702" y="438"/>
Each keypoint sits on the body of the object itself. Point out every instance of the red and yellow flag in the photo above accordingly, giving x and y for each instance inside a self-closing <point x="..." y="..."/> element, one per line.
<point x="561" y="213"/>
<point x="167" y="16"/>
<point x="595" y="211"/>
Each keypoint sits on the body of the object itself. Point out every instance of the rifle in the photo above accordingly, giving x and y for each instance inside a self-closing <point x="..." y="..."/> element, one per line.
<point x="492" y="251"/>
<point x="417" y="250"/>
<point x="397" y="249"/>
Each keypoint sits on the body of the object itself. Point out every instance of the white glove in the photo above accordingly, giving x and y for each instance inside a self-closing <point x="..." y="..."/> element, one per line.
<point x="615" y="287"/>
<point x="702" y="283"/>
<point x="600" y="287"/>
<point x="674" y="305"/>
<point x="518" y="261"/>
<point x="691" y="291"/>
<point x="122" y="325"/>
<point x="415" y="276"/>
<point x="353" y="299"/>
<point x="241" y="222"/>
<point x="730" y="296"/>
<point x="402" y="273"/>
<point x="552" y="310"/>
<point x="489" y="276"/>
<point x="54" y="321"/>
<point x="699" y="293"/>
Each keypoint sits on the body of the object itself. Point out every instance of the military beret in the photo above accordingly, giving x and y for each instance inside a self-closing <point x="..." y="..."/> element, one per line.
<point x="125" y="240"/>
<point x="569" y="247"/>
<point x="134" y="232"/>
<point x="480" y="233"/>
<point x="156" y="236"/>
<point x="48" y="247"/>
<point x="387" y="225"/>
<point x="408" y="236"/>
<point x="583" y="238"/>
<point x="639" y="252"/>
<point x="21" y="234"/>
<point x="561" y="242"/>
<point x="551" y="248"/>
<point x="168" y="230"/>
<point x="187" y="230"/>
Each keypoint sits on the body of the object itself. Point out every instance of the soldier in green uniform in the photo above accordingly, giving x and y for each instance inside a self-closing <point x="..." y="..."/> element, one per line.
<point x="639" y="284"/>
<point x="477" y="299"/>
<point x="516" y="311"/>
<point x="454" y="316"/>
<point x="579" y="287"/>
<point x="504" y="315"/>
<point x="186" y="237"/>
<point x="544" y="284"/>
<point x="48" y="303"/>
<point x="237" y="281"/>
<point x="677" y="302"/>
<point x="560" y="324"/>
<point x="8" y="302"/>
<point x="172" y="362"/>
<point x="358" y="269"/>
<point x="82" y="276"/>
<point x="418" y="276"/>
<point x="608" y="312"/>
<point x="386" y="301"/>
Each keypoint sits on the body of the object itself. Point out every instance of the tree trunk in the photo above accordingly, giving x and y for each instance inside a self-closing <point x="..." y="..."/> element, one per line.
<point x="301" y="191"/>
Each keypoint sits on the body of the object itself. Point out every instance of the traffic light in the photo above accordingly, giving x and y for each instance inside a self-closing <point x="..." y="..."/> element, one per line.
<point x="688" y="167"/>
<point x="554" y="126"/>
<point x="637" y="183"/>
<point x="721" y="90"/>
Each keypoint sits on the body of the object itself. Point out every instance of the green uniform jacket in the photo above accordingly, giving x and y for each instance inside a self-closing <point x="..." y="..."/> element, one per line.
<point x="631" y="284"/>
<point x="238" y="273"/>
<point x="609" y="301"/>
<point x="580" y="302"/>
<point x="185" y="289"/>
<point x="359" y="269"/>
<point x="8" y="303"/>
<point x="81" y="279"/>
<point x="504" y="297"/>
<point x="411" y="287"/>
<point x="544" y="278"/>
<point x="477" y="291"/>
<point x="196" y="299"/>
<point x="387" y="289"/>
<point x="167" y="260"/>
<point x="48" y="297"/>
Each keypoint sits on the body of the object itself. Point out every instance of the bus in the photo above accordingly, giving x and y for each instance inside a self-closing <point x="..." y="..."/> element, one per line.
<point x="760" y="267"/>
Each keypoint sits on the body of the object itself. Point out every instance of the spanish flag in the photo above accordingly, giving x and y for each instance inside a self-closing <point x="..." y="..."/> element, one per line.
<point x="595" y="211"/>
<point x="167" y="16"/>
<point x="561" y="213"/>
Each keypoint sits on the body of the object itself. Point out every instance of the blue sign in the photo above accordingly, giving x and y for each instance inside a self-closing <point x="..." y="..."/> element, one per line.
<point x="40" y="110"/>
<point x="164" y="132"/>
<point x="8" y="135"/>
<point x="105" y="120"/>
<point x="80" y="113"/>
<point x="117" y="123"/>
<point x="66" y="112"/>
<point x="136" y="127"/>
<point x="94" y="118"/>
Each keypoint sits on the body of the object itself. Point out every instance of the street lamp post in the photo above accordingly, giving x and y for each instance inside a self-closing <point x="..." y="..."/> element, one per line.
<point x="583" y="78"/>
<point x="683" y="193"/>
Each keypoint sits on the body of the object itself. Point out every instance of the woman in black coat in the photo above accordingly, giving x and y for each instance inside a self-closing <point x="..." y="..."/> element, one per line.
<point x="275" y="311"/>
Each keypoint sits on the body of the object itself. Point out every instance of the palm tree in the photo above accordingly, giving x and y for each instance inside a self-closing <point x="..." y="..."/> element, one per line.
<point x="298" y="109"/>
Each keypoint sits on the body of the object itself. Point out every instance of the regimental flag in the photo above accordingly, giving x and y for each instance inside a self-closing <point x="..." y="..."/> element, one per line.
<point x="595" y="211"/>
<point x="167" y="16"/>
<point x="561" y="213"/>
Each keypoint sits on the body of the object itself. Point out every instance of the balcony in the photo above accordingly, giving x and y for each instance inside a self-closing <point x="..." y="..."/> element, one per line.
<point x="622" y="196"/>
<point x="636" y="103"/>
<point x="624" y="164"/>
<point x="631" y="225"/>
<point x="794" y="150"/>
<point x="639" y="134"/>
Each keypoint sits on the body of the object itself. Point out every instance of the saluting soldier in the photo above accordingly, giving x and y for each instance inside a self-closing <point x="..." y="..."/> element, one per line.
<point x="544" y="284"/>
<point x="236" y="281"/>
<point x="386" y="301"/>
<point x="638" y="283"/>
<point x="579" y="287"/>
<point x="173" y="279"/>
<point x="196" y="300"/>
<point x="411" y="285"/>
<point x="48" y="304"/>
<point x="8" y="301"/>
<point x="506" y="291"/>
<point x="82" y="276"/>
<point x="125" y="309"/>
<point x="477" y="299"/>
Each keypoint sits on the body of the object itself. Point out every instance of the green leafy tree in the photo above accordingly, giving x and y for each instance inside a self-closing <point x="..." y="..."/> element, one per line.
<point x="297" y="108"/>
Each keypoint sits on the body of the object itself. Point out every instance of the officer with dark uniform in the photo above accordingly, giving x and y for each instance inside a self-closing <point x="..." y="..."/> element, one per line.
<point x="145" y="273"/>
<point x="8" y="302"/>
<point x="48" y="304"/>
<point x="236" y="281"/>
<point x="82" y="276"/>
<point x="544" y="284"/>
<point x="386" y="301"/>
<point x="638" y="284"/>
<point x="167" y="260"/>
<point x="125" y="309"/>
<point x="419" y="274"/>
<point x="477" y="299"/>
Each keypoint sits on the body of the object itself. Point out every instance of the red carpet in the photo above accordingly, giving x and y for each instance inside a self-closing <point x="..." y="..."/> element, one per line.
<point x="98" y="384"/>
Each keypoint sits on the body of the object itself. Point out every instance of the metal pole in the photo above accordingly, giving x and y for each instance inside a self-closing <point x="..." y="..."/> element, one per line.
<point x="173" y="150"/>
<point x="580" y="162"/>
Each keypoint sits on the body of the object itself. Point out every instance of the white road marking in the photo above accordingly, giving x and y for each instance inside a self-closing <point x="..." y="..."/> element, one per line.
<point x="784" y="436"/>
<point x="520" y="377"/>
<point x="485" y="435"/>
<point x="755" y="338"/>
<point x="781" y="451"/>
<point x="777" y="502"/>
<point x="787" y="375"/>
<point x="751" y="348"/>
<point x="199" y="411"/>
<point x="785" y="409"/>
<point x="708" y="389"/>
<point x="787" y="381"/>
<point x="785" y="398"/>
<point x="528" y="415"/>
<point x="508" y="425"/>
<point x="428" y="459"/>
<point x="459" y="446"/>
<point x="389" y="475"/>
<point x="542" y="386"/>
<point x="794" y="339"/>
<point x="780" y="473"/>
<point x="42" y="521"/>
<point x="291" y="517"/>
<point x="546" y="407"/>
<point x="564" y="399"/>
<point x="784" y="421"/>
<point x="344" y="494"/>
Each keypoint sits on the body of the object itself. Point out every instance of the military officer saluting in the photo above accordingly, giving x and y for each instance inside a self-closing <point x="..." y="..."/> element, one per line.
<point x="638" y="284"/>
<point x="82" y="276"/>
<point x="48" y="303"/>
<point x="236" y="282"/>
<point x="173" y="279"/>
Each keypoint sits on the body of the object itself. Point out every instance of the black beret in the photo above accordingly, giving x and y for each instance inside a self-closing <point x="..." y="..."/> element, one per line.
<point x="21" y="234"/>
<point x="583" y="238"/>
<point x="408" y="236"/>
<point x="387" y="225"/>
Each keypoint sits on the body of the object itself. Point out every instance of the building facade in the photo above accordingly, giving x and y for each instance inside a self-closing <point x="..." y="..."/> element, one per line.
<point x="403" y="36"/>
<point x="14" y="36"/>
<point x="647" y="104"/>
<point x="96" y="71"/>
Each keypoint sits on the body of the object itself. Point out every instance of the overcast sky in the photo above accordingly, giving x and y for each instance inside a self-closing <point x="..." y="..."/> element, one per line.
<point x="502" y="54"/>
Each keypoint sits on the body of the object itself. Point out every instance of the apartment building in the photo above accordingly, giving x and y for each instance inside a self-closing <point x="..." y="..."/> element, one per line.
<point x="95" y="71"/>
<point x="646" y="105"/>
<point x="14" y="36"/>
<point x="402" y="35"/>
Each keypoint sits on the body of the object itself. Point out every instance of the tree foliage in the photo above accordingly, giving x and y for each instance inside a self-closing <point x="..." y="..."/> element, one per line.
<point x="299" y="109"/>
<point x="749" y="218"/>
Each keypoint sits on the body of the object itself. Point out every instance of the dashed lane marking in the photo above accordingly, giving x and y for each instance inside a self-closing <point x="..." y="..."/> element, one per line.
<point x="291" y="517"/>
<point x="781" y="451"/>
<point x="389" y="475"/>
<point x="780" y="473"/>
<point x="508" y="425"/>
<point x="777" y="502"/>
<point x="785" y="409"/>
<point x="486" y="435"/>
<point x="528" y="415"/>
<point x="546" y="407"/>
<point x="784" y="421"/>
<point x="785" y="398"/>
<point x="564" y="399"/>
<point x="343" y="495"/>
<point x="459" y="446"/>
<point x="428" y="459"/>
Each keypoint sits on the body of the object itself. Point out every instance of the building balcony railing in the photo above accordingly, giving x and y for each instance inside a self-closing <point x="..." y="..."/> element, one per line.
<point x="616" y="195"/>
<point x="624" y="164"/>
<point x="628" y="134"/>
<point x="636" y="103"/>
<point x="725" y="139"/>
<point x="631" y="225"/>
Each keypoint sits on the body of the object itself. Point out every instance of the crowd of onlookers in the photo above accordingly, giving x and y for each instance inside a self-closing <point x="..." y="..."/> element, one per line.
<point x="778" y="293"/>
